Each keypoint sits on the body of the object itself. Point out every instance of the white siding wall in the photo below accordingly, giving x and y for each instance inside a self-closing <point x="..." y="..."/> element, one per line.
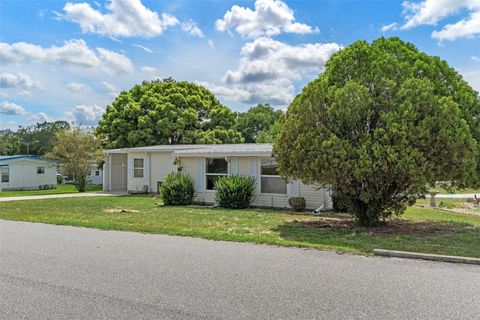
<point x="23" y="174"/>
<point x="161" y="165"/>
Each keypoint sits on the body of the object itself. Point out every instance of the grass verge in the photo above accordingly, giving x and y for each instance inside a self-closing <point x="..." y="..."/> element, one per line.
<point x="420" y="229"/>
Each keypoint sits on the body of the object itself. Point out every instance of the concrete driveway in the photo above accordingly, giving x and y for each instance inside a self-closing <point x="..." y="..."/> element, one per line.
<point x="59" y="272"/>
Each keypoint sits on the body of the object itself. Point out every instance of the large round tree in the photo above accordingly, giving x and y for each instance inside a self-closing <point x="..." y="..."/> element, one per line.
<point x="166" y="112"/>
<point x="381" y="124"/>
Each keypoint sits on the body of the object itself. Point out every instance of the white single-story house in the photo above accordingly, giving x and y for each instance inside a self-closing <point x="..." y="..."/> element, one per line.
<point x="27" y="173"/>
<point x="137" y="169"/>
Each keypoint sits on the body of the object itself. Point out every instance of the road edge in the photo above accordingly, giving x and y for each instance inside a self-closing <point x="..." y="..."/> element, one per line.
<point x="425" y="256"/>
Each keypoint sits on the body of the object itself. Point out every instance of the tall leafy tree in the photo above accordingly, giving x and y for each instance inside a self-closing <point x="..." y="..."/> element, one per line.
<point x="166" y="112"/>
<point x="257" y="121"/>
<point x="75" y="149"/>
<point x="381" y="124"/>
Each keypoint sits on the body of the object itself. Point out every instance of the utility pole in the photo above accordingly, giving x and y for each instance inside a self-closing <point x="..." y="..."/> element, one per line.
<point x="28" y="145"/>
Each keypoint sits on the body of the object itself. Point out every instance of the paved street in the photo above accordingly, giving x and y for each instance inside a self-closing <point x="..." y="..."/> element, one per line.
<point x="58" y="272"/>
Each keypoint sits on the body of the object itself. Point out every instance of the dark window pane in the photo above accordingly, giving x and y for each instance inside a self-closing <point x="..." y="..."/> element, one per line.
<point x="138" y="173"/>
<point x="5" y="176"/>
<point x="138" y="163"/>
<point x="217" y="165"/>
<point x="273" y="185"/>
<point x="40" y="170"/>
<point x="269" y="167"/>
<point x="211" y="181"/>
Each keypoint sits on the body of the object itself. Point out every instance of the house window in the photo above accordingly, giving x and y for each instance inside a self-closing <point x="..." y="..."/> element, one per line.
<point x="5" y="175"/>
<point x="138" y="168"/>
<point x="270" y="180"/>
<point x="215" y="168"/>
<point x="40" y="170"/>
<point x="97" y="173"/>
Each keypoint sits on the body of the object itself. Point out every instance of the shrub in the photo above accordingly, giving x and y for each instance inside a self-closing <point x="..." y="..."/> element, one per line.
<point x="177" y="189"/>
<point x="297" y="203"/>
<point x="59" y="179"/>
<point x="234" y="192"/>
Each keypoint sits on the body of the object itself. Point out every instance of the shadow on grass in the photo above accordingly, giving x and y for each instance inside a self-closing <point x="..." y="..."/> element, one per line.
<point x="399" y="234"/>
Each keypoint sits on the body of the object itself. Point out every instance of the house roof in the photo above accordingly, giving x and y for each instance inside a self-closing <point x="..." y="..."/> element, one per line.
<point x="245" y="149"/>
<point x="30" y="157"/>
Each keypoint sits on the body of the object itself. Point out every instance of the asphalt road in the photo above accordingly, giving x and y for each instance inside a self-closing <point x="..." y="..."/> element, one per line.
<point x="56" y="272"/>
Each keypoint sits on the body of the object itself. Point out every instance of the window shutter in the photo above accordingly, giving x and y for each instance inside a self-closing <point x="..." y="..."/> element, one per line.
<point x="234" y="166"/>
<point x="129" y="168"/>
<point x="146" y="167"/>
<point x="252" y="172"/>
<point x="199" y="175"/>
<point x="253" y="168"/>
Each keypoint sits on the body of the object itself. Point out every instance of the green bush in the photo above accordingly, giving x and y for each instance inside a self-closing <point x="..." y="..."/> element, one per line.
<point x="59" y="179"/>
<point x="177" y="189"/>
<point x="234" y="192"/>
<point x="297" y="203"/>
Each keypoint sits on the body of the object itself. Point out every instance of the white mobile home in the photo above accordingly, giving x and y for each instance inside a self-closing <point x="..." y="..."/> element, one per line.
<point x="27" y="173"/>
<point x="142" y="168"/>
<point x="96" y="174"/>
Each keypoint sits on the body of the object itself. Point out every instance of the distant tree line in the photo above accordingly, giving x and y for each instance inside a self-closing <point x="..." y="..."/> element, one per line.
<point x="37" y="139"/>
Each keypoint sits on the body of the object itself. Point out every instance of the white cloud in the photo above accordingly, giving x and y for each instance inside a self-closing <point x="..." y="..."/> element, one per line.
<point x="113" y="91"/>
<point x="19" y="81"/>
<point x="40" y="117"/>
<point x="267" y="59"/>
<point x="391" y="26"/>
<point x="431" y="12"/>
<point x="143" y="48"/>
<point x="125" y="18"/>
<point x="465" y="28"/>
<point x="85" y="115"/>
<point x="77" y="87"/>
<point x="13" y="109"/>
<point x="270" y="17"/>
<point x="192" y="29"/>
<point x="475" y="58"/>
<point x="24" y="93"/>
<point x="148" y="69"/>
<point x="73" y="53"/>
<point x="268" y="70"/>
<point x="9" y="125"/>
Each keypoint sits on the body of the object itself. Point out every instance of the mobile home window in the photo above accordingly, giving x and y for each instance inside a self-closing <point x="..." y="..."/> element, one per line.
<point x="270" y="180"/>
<point x="5" y="175"/>
<point x="97" y="173"/>
<point x="215" y="168"/>
<point x="138" y="168"/>
<point x="40" y="170"/>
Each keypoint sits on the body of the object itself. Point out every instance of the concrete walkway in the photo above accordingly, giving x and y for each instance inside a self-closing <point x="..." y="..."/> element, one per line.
<point x="455" y="195"/>
<point x="64" y="195"/>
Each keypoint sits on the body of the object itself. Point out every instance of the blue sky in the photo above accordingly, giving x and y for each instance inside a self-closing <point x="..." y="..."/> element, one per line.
<point x="69" y="59"/>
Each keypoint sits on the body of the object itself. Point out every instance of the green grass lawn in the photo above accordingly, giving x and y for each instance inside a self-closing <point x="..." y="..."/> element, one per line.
<point x="422" y="230"/>
<point x="61" y="188"/>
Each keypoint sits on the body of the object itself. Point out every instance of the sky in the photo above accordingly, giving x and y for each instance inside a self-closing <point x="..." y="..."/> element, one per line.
<point x="68" y="60"/>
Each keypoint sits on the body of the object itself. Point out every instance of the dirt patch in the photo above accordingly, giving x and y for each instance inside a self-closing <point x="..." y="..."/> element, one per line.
<point x="394" y="227"/>
<point x="119" y="210"/>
